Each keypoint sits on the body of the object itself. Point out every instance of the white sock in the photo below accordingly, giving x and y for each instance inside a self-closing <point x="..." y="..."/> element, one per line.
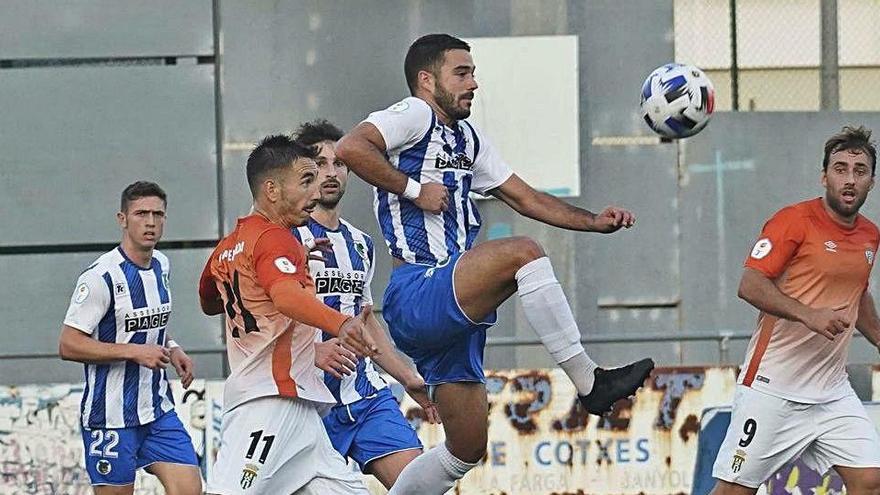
<point x="550" y="316"/>
<point x="433" y="472"/>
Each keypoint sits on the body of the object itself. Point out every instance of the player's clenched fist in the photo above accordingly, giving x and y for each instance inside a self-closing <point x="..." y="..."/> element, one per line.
<point x="433" y="197"/>
<point x="353" y="335"/>
<point x="612" y="219"/>
<point x="150" y="355"/>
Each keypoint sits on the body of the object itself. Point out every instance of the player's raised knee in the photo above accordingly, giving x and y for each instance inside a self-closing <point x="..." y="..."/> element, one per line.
<point x="525" y="249"/>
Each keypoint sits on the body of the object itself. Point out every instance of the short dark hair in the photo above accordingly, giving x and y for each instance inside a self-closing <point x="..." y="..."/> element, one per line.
<point x="141" y="189"/>
<point x="317" y="131"/>
<point x="426" y="53"/>
<point x="851" y="138"/>
<point x="272" y="154"/>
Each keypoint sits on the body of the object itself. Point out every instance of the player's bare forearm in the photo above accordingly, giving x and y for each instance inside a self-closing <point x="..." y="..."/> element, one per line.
<point x="388" y="358"/>
<point x="759" y="291"/>
<point x="527" y="201"/>
<point x="362" y="149"/>
<point x="77" y="346"/>
<point x="868" y="322"/>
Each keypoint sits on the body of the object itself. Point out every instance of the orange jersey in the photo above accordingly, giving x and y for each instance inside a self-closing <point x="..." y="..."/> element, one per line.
<point x="269" y="353"/>
<point x="822" y="264"/>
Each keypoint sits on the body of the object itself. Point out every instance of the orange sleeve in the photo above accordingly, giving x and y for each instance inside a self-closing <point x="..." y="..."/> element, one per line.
<point x="780" y="239"/>
<point x="278" y="255"/>
<point x="299" y="303"/>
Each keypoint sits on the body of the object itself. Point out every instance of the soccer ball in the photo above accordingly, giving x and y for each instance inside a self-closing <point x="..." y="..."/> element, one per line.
<point x="677" y="100"/>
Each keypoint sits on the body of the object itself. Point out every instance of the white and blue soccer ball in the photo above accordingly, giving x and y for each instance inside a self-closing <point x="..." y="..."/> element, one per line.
<point x="677" y="100"/>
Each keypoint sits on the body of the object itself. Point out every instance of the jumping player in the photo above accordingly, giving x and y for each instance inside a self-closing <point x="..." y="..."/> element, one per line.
<point x="424" y="160"/>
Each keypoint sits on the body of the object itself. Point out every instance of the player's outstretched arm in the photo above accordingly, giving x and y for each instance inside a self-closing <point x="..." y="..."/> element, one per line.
<point x="294" y="301"/>
<point x="75" y="345"/>
<point x="868" y="322"/>
<point x="553" y="211"/>
<point x="363" y="150"/>
<point x="759" y="291"/>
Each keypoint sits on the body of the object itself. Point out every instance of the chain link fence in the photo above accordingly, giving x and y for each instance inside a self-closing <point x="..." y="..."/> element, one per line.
<point x="784" y="55"/>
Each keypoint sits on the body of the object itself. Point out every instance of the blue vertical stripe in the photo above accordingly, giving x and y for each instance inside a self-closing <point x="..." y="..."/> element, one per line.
<point x="99" y="408"/>
<point x="383" y="214"/>
<point x="106" y="333"/>
<point x="160" y="282"/>
<point x="334" y="384"/>
<point x="157" y="377"/>
<point x="320" y="231"/>
<point x="168" y="388"/>
<point x="295" y="232"/>
<point x="362" y="383"/>
<point x="85" y="394"/>
<point x="476" y="139"/>
<point x="107" y="325"/>
<point x="473" y="228"/>
<point x="333" y="301"/>
<point x="131" y="385"/>
<point x="371" y="255"/>
<point x="450" y="216"/>
<point x="357" y="262"/>
<point x="135" y="284"/>
<point x="412" y="217"/>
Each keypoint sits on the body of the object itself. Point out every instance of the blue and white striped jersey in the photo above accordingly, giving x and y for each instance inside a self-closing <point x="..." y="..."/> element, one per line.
<point x="117" y="301"/>
<point x="422" y="147"/>
<point x="342" y="281"/>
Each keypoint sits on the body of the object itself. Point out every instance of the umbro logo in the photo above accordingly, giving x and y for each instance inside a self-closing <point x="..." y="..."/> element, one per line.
<point x="830" y="246"/>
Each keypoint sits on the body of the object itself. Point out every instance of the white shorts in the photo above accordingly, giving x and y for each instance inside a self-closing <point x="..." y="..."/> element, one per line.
<point x="279" y="446"/>
<point x="767" y="431"/>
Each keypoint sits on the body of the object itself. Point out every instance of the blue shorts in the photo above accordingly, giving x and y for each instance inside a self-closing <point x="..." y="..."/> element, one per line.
<point x="428" y="325"/>
<point x="113" y="455"/>
<point x="370" y="428"/>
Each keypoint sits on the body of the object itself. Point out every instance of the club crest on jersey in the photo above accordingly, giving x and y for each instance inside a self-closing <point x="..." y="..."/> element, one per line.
<point x="362" y="252"/>
<point x="119" y="288"/>
<point x="248" y="474"/>
<point x="831" y="246"/>
<point x="166" y="279"/>
<point x="869" y="255"/>
<point x="738" y="460"/>
<point x="104" y="467"/>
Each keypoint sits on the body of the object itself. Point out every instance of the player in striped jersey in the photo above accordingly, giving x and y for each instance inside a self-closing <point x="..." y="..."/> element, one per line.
<point x="366" y="424"/>
<point x="424" y="160"/>
<point x="116" y="325"/>
<point x="808" y="276"/>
